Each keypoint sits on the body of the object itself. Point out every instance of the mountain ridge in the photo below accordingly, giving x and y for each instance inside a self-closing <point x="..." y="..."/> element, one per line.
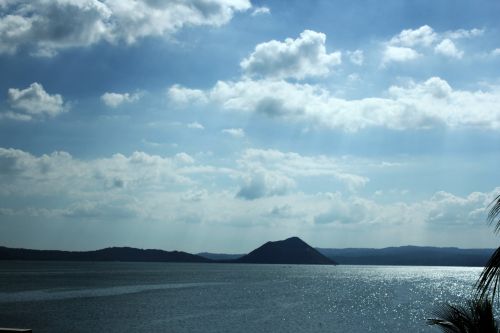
<point x="289" y="251"/>
<point x="410" y="255"/>
<point x="107" y="254"/>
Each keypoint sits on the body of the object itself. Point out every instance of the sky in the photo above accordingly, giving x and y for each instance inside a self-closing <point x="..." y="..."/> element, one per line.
<point x="217" y="125"/>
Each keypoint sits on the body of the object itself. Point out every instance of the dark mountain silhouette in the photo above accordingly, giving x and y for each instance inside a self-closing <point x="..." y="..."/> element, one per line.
<point x="410" y="255"/>
<point x="108" y="254"/>
<point x="289" y="251"/>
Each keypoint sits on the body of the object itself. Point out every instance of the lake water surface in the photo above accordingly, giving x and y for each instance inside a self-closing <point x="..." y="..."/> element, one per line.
<point x="168" y="297"/>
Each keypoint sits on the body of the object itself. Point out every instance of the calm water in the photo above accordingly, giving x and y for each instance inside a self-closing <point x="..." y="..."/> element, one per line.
<point x="165" y="297"/>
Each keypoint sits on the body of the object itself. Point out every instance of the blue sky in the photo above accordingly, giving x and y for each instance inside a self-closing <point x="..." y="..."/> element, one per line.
<point x="218" y="125"/>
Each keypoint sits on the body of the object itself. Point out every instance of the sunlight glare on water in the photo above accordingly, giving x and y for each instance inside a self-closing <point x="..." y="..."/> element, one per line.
<point x="117" y="297"/>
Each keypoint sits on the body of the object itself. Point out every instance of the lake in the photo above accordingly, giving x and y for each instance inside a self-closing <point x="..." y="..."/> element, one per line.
<point x="168" y="297"/>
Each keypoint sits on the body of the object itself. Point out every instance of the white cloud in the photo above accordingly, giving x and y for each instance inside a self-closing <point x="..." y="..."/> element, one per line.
<point x="59" y="171"/>
<point x="463" y="33"/>
<point x="114" y="100"/>
<point x="423" y="36"/>
<point x="447" y="48"/>
<point x="234" y="132"/>
<point x="195" y="125"/>
<point x="294" y="58"/>
<point x="12" y="28"/>
<point x="265" y="183"/>
<point x="418" y="105"/>
<point x="15" y="116"/>
<point x="261" y="11"/>
<point x="356" y="57"/>
<point x="399" y="54"/>
<point x="435" y="99"/>
<point x="442" y="208"/>
<point x="48" y="26"/>
<point x="184" y="158"/>
<point x="181" y="95"/>
<point x="33" y="102"/>
<point x="143" y="188"/>
<point x="297" y="166"/>
<point x="410" y="44"/>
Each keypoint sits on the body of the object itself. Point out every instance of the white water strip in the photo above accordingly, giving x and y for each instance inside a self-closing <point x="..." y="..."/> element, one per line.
<point x="57" y="294"/>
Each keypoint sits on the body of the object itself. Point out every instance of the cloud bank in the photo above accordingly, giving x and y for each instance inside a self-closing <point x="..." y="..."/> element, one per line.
<point x="423" y="105"/>
<point x="148" y="187"/>
<point x="49" y="26"/>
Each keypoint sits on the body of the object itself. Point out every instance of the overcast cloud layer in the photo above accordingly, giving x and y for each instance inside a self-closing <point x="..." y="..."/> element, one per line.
<point x="221" y="124"/>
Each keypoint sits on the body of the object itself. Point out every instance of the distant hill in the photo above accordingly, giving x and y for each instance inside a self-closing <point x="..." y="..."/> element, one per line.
<point x="289" y="251"/>
<point x="410" y="255"/>
<point x="108" y="254"/>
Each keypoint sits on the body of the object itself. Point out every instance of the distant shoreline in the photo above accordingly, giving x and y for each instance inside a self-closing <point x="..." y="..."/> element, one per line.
<point x="391" y="256"/>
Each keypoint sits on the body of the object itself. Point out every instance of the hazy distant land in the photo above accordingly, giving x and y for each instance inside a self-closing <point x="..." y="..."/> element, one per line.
<point x="290" y="251"/>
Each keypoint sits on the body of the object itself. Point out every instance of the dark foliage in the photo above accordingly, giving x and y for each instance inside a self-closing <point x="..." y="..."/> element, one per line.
<point x="476" y="316"/>
<point x="494" y="214"/>
<point x="490" y="277"/>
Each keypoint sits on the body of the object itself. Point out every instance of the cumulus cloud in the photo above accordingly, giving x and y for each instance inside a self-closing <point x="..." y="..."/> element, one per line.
<point x="399" y="54"/>
<point x="410" y="44"/>
<point x="415" y="106"/>
<point x="442" y="208"/>
<point x="463" y="33"/>
<point x="33" y="102"/>
<point x="298" y="58"/>
<point x="447" y="48"/>
<point x="346" y="211"/>
<point x="114" y="100"/>
<point x="181" y="95"/>
<point x="48" y="26"/>
<point x="401" y="48"/>
<point x="436" y="100"/>
<point x="234" y="132"/>
<point x="423" y="36"/>
<point x="264" y="184"/>
<point x="59" y="171"/>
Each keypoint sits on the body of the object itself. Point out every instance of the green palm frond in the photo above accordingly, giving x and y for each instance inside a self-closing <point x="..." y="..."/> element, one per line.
<point x="476" y="316"/>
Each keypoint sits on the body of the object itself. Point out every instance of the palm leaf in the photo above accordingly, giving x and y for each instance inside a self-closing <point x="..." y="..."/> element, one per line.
<point x="494" y="213"/>
<point x="476" y="316"/>
<point x="490" y="276"/>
